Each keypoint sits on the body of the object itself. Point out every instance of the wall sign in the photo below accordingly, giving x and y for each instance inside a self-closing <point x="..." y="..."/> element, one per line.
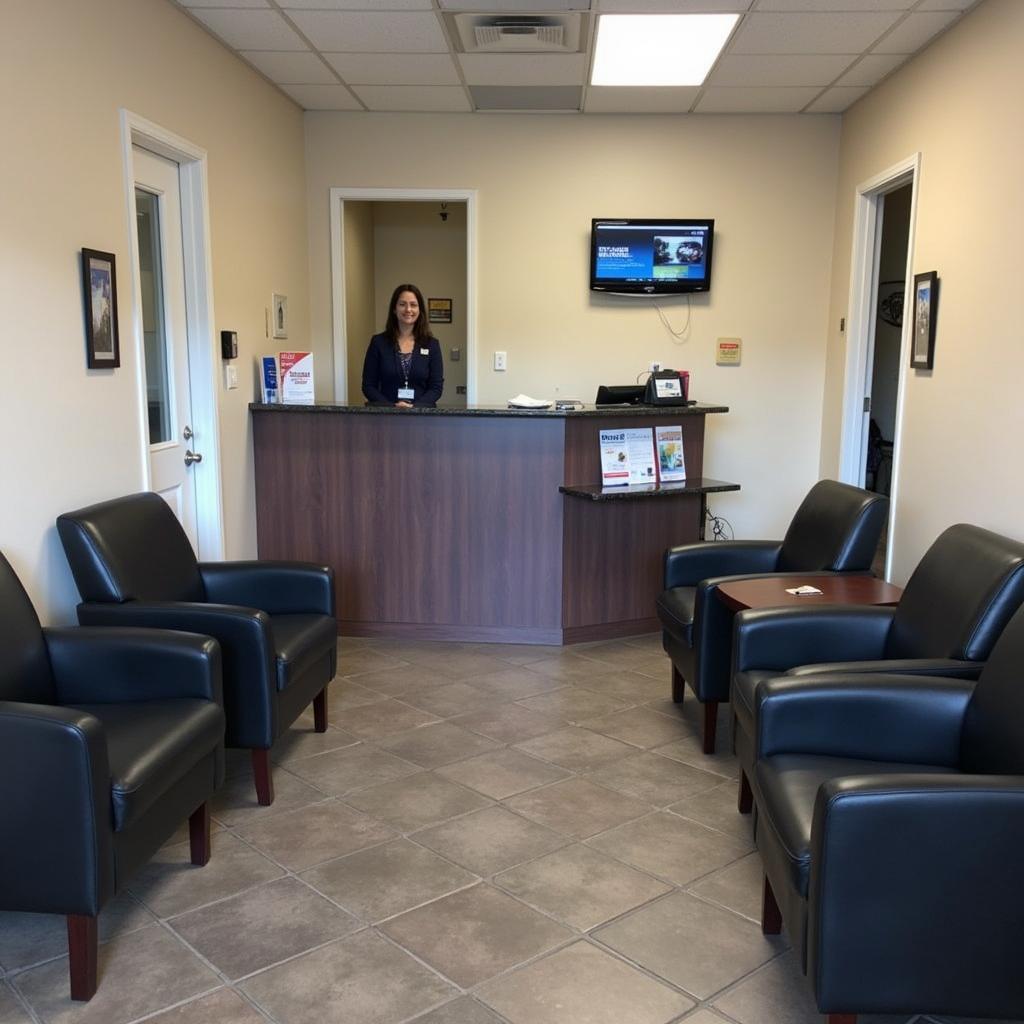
<point x="439" y="311"/>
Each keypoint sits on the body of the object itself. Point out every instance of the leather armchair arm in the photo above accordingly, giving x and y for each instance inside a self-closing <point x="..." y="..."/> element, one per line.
<point x="688" y="564"/>
<point x="940" y="853"/>
<point x="909" y="719"/>
<point x="949" y="668"/>
<point x="55" y="794"/>
<point x="783" y="638"/>
<point x="278" y="588"/>
<point x="118" y="666"/>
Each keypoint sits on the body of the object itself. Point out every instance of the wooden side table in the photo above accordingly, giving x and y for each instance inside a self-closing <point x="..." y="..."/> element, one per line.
<point x="770" y="592"/>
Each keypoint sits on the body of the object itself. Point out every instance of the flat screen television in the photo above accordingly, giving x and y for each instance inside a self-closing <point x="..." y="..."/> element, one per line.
<point x="650" y="257"/>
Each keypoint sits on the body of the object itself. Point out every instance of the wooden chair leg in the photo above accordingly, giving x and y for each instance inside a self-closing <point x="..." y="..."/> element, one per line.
<point x="710" y="725"/>
<point x="320" y="711"/>
<point x="678" y="686"/>
<point x="745" y="801"/>
<point x="199" y="834"/>
<point x="83" y="943"/>
<point x="842" y="1018"/>
<point x="264" y="779"/>
<point x="771" y="916"/>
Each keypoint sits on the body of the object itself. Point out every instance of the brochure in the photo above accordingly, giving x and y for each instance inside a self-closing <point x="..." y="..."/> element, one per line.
<point x="296" y="378"/>
<point x="268" y="379"/>
<point x="627" y="457"/>
<point x="671" y="462"/>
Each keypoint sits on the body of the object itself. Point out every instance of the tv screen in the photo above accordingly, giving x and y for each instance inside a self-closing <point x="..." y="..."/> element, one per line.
<point x="650" y="257"/>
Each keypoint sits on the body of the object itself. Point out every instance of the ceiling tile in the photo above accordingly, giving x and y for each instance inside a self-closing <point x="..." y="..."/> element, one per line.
<point x="515" y="6"/>
<point x="223" y="3"/>
<point x="871" y="69"/>
<point x="754" y="101"/>
<point x="372" y="31"/>
<point x="914" y="33"/>
<point x="835" y="5"/>
<point x="413" y="97"/>
<point x="947" y="5"/>
<point x="610" y="99"/>
<point x="355" y="5"/>
<point x="672" y="6"/>
<point x="322" y="97"/>
<point x="811" y="33"/>
<point x="524" y="69"/>
<point x="836" y="100"/>
<point x="529" y="97"/>
<point x="290" y="68"/>
<point x="251" y="30"/>
<point x="395" y="68"/>
<point x="794" y="69"/>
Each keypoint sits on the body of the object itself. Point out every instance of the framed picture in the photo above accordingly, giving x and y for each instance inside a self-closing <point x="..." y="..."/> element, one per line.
<point x="439" y="311"/>
<point x="99" y="285"/>
<point x="926" y="296"/>
<point x="279" y="311"/>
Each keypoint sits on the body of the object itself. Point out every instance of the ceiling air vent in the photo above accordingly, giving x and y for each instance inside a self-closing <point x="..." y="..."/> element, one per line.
<point x="515" y="33"/>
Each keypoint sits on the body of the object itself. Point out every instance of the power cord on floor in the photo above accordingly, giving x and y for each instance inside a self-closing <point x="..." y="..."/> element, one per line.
<point x="719" y="527"/>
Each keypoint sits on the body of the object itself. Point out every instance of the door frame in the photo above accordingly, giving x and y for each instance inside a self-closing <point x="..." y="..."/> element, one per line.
<point x="202" y="372"/>
<point x="339" y="196"/>
<point x="867" y="238"/>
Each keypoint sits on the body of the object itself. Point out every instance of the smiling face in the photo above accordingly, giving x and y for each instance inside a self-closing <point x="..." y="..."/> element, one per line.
<point x="407" y="310"/>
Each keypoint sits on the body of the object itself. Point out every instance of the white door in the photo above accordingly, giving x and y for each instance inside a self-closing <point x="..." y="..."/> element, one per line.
<point x="172" y="446"/>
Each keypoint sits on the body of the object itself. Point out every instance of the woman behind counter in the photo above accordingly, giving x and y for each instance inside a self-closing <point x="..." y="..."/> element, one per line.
<point x="403" y="365"/>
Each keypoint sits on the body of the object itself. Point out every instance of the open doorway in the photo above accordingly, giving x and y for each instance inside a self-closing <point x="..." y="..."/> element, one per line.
<point x="385" y="237"/>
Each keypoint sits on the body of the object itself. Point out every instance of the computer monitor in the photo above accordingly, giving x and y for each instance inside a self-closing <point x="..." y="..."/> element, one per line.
<point x="616" y="394"/>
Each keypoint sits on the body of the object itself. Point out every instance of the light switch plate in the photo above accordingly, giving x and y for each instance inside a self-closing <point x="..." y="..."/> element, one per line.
<point x="230" y="377"/>
<point x="501" y="360"/>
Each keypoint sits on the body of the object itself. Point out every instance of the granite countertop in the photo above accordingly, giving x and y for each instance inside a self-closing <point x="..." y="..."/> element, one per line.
<point x="698" y="409"/>
<point x="696" y="485"/>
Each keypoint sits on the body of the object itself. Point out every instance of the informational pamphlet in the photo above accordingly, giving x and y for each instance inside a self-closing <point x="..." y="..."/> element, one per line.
<point x="671" y="462"/>
<point x="268" y="379"/>
<point x="627" y="457"/>
<point x="296" y="377"/>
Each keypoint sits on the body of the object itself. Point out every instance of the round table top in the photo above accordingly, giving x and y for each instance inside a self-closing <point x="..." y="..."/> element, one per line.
<point x="770" y="592"/>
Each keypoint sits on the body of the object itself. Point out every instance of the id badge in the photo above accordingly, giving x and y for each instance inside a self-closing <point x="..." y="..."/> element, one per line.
<point x="424" y="351"/>
<point x="406" y="394"/>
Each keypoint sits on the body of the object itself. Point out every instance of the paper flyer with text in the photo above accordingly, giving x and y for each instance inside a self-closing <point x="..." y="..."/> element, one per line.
<point x="627" y="457"/>
<point x="671" y="462"/>
<point x="296" y="377"/>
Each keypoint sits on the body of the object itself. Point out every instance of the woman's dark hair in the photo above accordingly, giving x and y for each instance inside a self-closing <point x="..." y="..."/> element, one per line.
<point x="420" y="329"/>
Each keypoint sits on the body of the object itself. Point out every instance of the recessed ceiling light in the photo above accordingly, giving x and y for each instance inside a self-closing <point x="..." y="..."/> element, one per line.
<point x="658" y="49"/>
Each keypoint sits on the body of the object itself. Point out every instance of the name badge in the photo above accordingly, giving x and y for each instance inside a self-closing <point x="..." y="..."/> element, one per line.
<point x="406" y="394"/>
<point x="424" y="351"/>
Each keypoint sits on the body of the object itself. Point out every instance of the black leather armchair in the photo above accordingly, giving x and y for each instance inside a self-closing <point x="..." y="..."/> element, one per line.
<point x="891" y="823"/>
<point x="275" y="621"/>
<point x="835" y="529"/>
<point x="109" y="739"/>
<point x="955" y="605"/>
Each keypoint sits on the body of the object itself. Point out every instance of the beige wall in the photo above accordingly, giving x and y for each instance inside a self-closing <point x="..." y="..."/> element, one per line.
<point x="956" y="104"/>
<point x="768" y="181"/>
<point x="360" y="309"/>
<point x="71" y="435"/>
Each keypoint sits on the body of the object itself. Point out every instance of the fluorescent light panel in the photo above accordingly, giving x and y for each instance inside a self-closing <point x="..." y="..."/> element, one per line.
<point x="658" y="49"/>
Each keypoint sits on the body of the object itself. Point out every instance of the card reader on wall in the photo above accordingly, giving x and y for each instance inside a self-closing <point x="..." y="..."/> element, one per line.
<point x="668" y="387"/>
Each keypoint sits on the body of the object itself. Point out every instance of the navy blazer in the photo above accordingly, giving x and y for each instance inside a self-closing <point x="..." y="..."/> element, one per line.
<point x="382" y="372"/>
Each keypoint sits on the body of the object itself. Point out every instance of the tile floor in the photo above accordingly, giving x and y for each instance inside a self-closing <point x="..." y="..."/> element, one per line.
<point x="485" y="833"/>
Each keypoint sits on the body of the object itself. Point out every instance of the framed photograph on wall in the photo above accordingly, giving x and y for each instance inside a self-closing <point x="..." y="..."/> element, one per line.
<point x="99" y="284"/>
<point x="926" y="296"/>
<point x="279" y="313"/>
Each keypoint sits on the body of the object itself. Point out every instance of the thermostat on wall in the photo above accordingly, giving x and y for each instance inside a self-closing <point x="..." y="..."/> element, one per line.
<point x="729" y="351"/>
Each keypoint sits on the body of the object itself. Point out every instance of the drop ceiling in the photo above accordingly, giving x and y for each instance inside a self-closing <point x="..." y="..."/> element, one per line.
<point x="784" y="56"/>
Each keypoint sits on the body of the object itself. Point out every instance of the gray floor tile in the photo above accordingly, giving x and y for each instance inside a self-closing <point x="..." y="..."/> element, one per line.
<point x="221" y="1007"/>
<point x="27" y="939"/>
<point x="491" y="840"/>
<point x="619" y="653"/>
<point x="385" y="718"/>
<point x="689" y="750"/>
<point x="362" y="979"/>
<point x="434" y="745"/>
<point x="704" y="1016"/>
<point x="475" y="934"/>
<point x="138" y="974"/>
<point x="358" y="660"/>
<point x="737" y="887"/>
<point x="314" y="834"/>
<point x="394" y="682"/>
<point x="11" y="1010"/>
<point x="347" y="693"/>
<point x="515" y="683"/>
<point x="640" y="726"/>
<point x="235" y="803"/>
<point x="582" y="984"/>
<point x="503" y="773"/>
<point x="459" y="664"/>
<point x="448" y="700"/>
<point x="343" y="771"/>
<point x="720" y="946"/>
<point x="302" y="740"/>
<point x="508" y="723"/>
<point x="417" y="802"/>
<point x="579" y="886"/>
<point x="716" y="808"/>
<point x="461" y="1011"/>
<point x="628" y="686"/>
<point x="386" y="880"/>
<point x="578" y="750"/>
<point x="518" y="654"/>
<point x="577" y="807"/>
<point x="670" y="847"/>
<point x="568" y="667"/>
<point x="169" y="884"/>
<point x="263" y="926"/>
<point x="658" y="780"/>
<point x="573" y="704"/>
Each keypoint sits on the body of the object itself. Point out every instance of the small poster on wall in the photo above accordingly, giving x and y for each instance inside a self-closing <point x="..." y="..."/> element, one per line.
<point x="296" y="370"/>
<point x="439" y="311"/>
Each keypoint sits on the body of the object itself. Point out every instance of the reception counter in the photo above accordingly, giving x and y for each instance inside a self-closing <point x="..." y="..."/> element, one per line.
<point x="477" y="524"/>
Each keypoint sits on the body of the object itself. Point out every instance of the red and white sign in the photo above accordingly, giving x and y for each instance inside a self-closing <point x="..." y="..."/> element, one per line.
<point x="296" y="369"/>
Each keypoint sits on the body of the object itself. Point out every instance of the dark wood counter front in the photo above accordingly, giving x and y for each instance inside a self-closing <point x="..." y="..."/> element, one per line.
<point x="449" y="524"/>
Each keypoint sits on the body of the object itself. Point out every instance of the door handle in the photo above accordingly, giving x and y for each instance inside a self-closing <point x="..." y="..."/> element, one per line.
<point x="191" y="457"/>
<point x="187" y="433"/>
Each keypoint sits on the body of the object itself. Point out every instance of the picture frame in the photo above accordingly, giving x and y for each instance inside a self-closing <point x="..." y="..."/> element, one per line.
<point x="926" y="297"/>
<point x="99" y="287"/>
<point x="279" y="315"/>
<point x="439" y="311"/>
